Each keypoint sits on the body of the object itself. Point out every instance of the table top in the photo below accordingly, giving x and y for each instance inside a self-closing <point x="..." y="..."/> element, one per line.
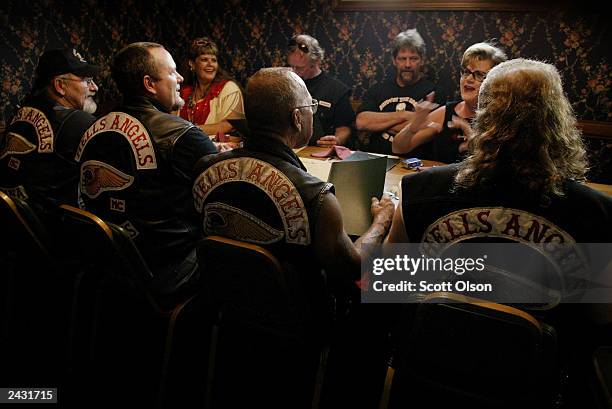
<point x="395" y="174"/>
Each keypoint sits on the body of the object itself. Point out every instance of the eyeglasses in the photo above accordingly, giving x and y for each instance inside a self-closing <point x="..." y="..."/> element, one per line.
<point x="314" y="106"/>
<point x="88" y="80"/>
<point x="477" y="75"/>
<point x="302" y="47"/>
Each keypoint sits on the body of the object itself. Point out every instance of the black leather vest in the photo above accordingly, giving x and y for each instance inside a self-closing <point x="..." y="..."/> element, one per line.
<point x="129" y="177"/>
<point x="434" y="214"/>
<point x="37" y="151"/>
<point x="504" y="213"/>
<point x="262" y="194"/>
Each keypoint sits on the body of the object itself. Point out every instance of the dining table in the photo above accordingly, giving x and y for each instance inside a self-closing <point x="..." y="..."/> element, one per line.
<point x="394" y="175"/>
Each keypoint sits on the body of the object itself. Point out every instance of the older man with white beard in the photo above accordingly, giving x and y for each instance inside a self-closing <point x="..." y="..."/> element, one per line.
<point x="37" y="149"/>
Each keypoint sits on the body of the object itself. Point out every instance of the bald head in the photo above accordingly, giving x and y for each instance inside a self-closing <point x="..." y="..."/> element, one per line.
<point x="272" y="96"/>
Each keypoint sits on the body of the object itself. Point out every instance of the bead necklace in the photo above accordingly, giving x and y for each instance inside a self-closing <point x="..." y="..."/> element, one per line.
<point x="193" y="101"/>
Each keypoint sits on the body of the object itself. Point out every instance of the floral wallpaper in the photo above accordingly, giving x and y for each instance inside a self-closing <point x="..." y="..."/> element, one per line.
<point x="253" y="33"/>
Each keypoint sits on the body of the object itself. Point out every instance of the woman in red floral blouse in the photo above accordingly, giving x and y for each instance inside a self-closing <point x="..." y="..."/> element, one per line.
<point x="211" y="95"/>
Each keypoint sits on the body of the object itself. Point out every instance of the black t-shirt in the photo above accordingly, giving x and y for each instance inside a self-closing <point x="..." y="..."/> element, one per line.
<point x="390" y="97"/>
<point x="334" y="106"/>
<point x="445" y="146"/>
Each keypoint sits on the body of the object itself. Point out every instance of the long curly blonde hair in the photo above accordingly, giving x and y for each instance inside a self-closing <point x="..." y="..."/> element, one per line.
<point x="524" y="132"/>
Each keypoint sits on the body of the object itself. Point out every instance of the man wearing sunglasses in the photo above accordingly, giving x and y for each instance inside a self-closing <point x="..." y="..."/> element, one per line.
<point x="389" y="106"/>
<point x="333" y="120"/>
<point x="37" y="148"/>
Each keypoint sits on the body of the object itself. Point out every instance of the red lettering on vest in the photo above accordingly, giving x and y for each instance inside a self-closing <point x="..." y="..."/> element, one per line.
<point x="450" y="230"/>
<point x="294" y="235"/>
<point x="290" y="204"/>
<point x="513" y="224"/>
<point x="438" y="237"/>
<point x="255" y="173"/>
<point x="126" y="123"/>
<point x="146" y="160"/>
<point x="279" y="188"/>
<point x="534" y="231"/>
<point x="115" y="124"/>
<point x="132" y="130"/>
<point x="482" y="218"/>
<point x="233" y="172"/>
<point x="131" y="133"/>
<point x="466" y="224"/>
<point x="271" y="181"/>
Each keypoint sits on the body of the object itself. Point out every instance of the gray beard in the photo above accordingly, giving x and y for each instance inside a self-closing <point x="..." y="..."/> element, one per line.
<point x="90" y="105"/>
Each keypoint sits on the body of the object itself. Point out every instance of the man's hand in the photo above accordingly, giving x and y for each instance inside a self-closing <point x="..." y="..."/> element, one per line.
<point x="460" y="123"/>
<point x="328" y="140"/>
<point x="398" y="128"/>
<point x="421" y="111"/>
<point x="226" y="146"/>
<point x="382" y="211"/>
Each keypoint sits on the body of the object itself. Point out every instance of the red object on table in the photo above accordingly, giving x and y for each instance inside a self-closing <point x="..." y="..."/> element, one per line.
<point x="341" y="152"/>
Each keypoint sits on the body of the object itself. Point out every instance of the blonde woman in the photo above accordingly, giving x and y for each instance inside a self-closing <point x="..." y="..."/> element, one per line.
<point x="447" y="127"/>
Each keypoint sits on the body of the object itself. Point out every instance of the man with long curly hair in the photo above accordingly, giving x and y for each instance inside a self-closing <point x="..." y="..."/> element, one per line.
<point x="522" y="184"/>
<point x="522" y="181"/>
<point x="526" y="161"/>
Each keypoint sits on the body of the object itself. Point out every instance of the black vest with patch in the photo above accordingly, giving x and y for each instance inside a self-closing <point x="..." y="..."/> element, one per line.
<point x="503" y="213"/>
<point x="37" y="153"/>
<point x="262" y="194"/>
<point x="432" y="213"/>
<point x="129" y="177"/>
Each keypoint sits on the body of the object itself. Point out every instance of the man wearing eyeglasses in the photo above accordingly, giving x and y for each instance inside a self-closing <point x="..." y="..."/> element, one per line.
<point x="389" y="106"/>
<point x="37" y="149"/>
<point x="333" y="120"/>
<point x="262" y="194"/>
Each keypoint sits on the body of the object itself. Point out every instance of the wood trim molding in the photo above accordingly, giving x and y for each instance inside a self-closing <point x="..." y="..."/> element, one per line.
<point x="596" y="129"/>
<point x="473" y="5"/>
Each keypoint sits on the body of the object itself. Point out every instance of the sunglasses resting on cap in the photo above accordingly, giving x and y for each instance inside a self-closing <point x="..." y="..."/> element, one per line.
<point x="294" y="44"/>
